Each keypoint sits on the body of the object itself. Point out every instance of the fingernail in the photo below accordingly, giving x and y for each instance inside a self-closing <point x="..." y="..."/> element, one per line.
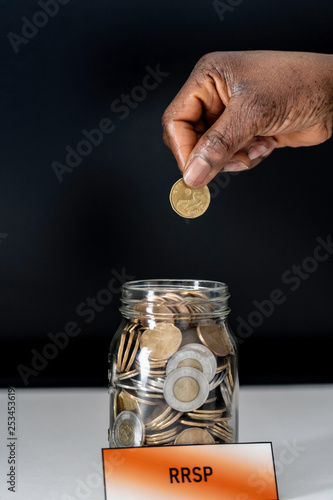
<point x="257" y="150"/>
<point x="197" y="171"/>
<point x="235" y="166"/>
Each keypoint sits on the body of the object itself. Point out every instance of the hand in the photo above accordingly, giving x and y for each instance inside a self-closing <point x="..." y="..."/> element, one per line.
<point x="237" y="107"/>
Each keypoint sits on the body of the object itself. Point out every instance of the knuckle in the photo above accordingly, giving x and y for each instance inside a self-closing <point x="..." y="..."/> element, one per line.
<point x="208" y="59"/>
<point x="216" y="67"/>
<point x="205" y="66"/>
<point x="217" y="64"/>
<point x="215" y="141"/>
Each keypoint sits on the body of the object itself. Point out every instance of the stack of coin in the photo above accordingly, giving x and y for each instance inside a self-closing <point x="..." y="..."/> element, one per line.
<point x="172" y="375"/>
<point x="178" y="308"/>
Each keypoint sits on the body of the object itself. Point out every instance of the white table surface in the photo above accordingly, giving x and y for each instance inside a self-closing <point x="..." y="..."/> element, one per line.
<point x="61" y="432"/>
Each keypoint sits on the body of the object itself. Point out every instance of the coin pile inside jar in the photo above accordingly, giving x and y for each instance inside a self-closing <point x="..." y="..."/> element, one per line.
<point x="173" y="381"/>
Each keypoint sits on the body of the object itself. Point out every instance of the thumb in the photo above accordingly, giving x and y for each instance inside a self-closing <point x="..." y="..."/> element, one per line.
<point x="227" y="136"/>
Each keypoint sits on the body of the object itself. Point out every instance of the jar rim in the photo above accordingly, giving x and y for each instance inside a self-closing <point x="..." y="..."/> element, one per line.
<point x="148" y="291"/>
<point x="175" y="284"/>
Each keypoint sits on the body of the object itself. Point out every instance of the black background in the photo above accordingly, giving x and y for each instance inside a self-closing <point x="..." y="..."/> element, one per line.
<point x="59" y="242"/>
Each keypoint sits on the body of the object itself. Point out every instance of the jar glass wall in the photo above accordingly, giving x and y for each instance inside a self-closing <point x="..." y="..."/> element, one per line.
<point x="173" y="375"/>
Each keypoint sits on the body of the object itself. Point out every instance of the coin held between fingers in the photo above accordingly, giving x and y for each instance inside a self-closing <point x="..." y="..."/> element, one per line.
<point x="187" y="202"/>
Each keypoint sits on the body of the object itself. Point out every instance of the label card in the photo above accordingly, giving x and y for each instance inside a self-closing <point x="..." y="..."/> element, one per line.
<point x="242" y="471"/>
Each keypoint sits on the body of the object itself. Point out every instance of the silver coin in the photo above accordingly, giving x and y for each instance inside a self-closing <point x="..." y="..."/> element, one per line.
<point x="125" y="385"/>
<point x="149" y="395"/>
<point x="113" y="401"/>
<point x="204" y="350"/>
<point x="228" y="386"/>
<point x="192" y="358"/>
<point x="186" y="389"/>
<point x="158" y="383"/>
<point x="113" y="413"/>
<point x="217" y="380"/>
<point x="225" y="396"/>
<point x="125" y="375"/>
<point x="128" y="430"/>
<point x="146" y="386"/>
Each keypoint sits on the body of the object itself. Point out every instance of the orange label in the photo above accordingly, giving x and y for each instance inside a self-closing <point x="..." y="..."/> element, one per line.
<point x="242" y="471"/>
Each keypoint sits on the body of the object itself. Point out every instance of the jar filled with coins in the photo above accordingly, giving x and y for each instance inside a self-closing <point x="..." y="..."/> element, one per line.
<point x="173" y="377"/>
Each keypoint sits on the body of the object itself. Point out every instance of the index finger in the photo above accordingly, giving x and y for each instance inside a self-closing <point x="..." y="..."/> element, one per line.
<point x="195" y="108"/>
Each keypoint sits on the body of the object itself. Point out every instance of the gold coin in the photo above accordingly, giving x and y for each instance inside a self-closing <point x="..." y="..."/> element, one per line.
<point x="230" y="377"/>
<point x="159" y="441"/>
<point x="149" y="395"/>
<point x="193" y="363"/>
<point x="162" y="341"/>
<point x="158" y="414"/>
<point x="172" y="297"/>
<point x="170" y="420"/>
<point x="134" y="352"/>
<point x="128" y="348"/>
<point x="187" y="202"/>
<point x="143" y="363"/>
<point x="121" y="349"/>
<point x="211" y="400"/>
<point x="158" y="311"/>
<point x="220" y="433"/>
<point x="223" y="427"/>
<point x="176" y="304"/>
<point x="193" y="293"/>
<point x="202" y="417"/>
<point x="186" y="389"/>
<point x="211" y="412"/>
<point x="165" y="434"/>
<point x="215" y="338"/>
<point x="155" y="373"/>
<point x="147" y="365"/>
<point x="126" y="403"/>
<point x="141" y="400"/>
<point x="190" y="336"/>
<point x="197" y="423"/>
<point x="222" y="367"/>
<point x="125" y="375"/>
<point x="224" y="434"/>
<point x="194" y="435"/>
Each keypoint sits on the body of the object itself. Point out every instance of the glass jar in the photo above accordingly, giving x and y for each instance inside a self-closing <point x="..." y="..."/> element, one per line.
<point x="173" y="375"/>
